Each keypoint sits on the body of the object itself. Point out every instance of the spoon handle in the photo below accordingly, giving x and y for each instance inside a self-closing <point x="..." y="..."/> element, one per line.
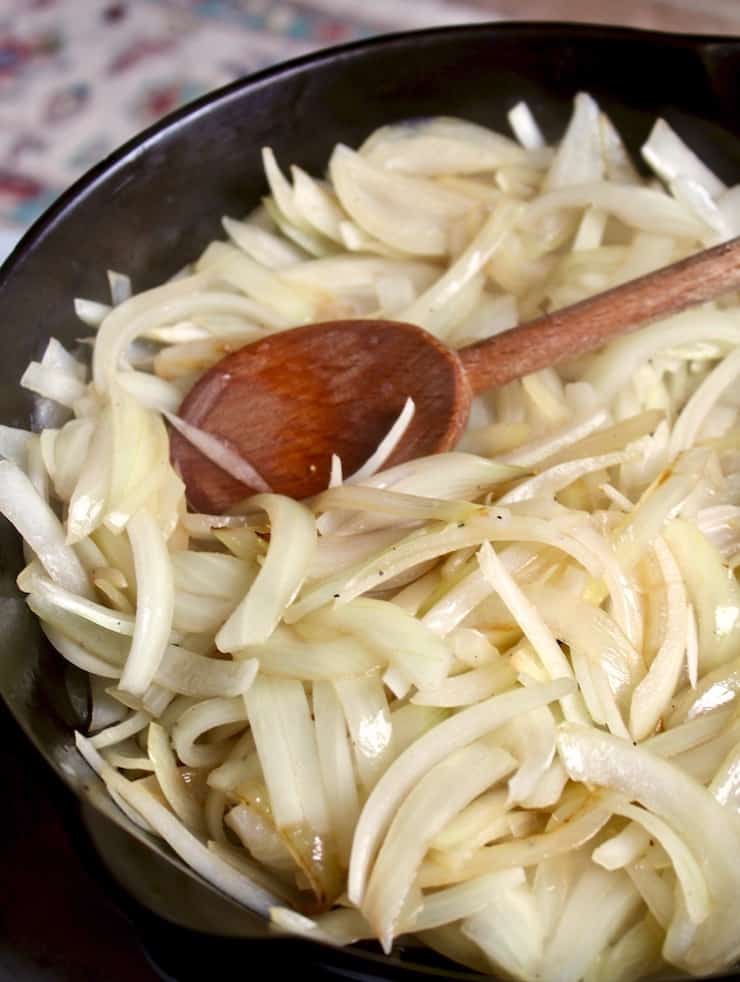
<point x="591" y="323"/>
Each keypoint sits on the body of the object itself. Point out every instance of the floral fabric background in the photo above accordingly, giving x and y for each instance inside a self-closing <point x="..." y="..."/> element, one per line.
<point x="78" y="77"/>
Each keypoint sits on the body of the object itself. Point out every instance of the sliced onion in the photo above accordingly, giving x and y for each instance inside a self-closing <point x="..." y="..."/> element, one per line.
<point x="439" y="145"/>
<point x="120" y="287"/>
<point x="89" y="497"/>
<point x="220" y="453"/>
<point x="564" y="838"/>
<point x="653" y="695"/>
<point x="286" y="743"/>
<point x="409" y="213"/>
<point x="199" y="719"/>
<point x="24" y="508"/>
<point x="559" y="476"/>
<point x="263" y="246"/>
<point x="130" y="319"/>
<point x="129" y="727"/>
<point x="91" y="312"/>
<point x="670" y="157"/>
<point x="171" y="781"/>
<point x="387" y="445"/>
<point x="424" y="311"/>
<point x="151" y="391"/>
<point x="197" y="856"/>
<point x="52" y="383"/>
<point x="686" y="866"/>
<point x="79" y="656"/>
<point x="525" y="128"/>
<point x="292" y="301"/>
<point x="439" y="795"/>
<point x="468" y="687"/>
<point x="405" y="642"/>
<point x="414" y="762"/>
<point x="368" y="718"/>
<point x="339" y="658"/>
<point x="192" y="674"/>
<point x="709" y="832"/>
<point x="337" y="770"/>
<point x="288" y="559"/>
<point x="13" y="444"/>
<point x="609" y="902"/>
<point x="155" y="602"/>
<point x="535" y="629"/>
<point x="637" y="207"/>
<point x="257" y="834"/>
<point x="578" y="158"/>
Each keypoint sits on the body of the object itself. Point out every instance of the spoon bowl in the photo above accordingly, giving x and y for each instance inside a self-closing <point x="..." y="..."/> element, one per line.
<point x="290" y="401"/>
<point x="287" y="403"/>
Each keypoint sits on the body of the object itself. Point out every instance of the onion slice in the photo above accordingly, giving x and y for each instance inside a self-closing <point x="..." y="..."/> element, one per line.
<point x="286" y="565"/>
<point x="219" y="452"/>
<point x="211" y="867"/>
<point x="155" y="603"/>
<point x="709" y="831"/>
<point x="446" y="789"/>
<point x="423" y="754"/>
<point x="24" y="508"/>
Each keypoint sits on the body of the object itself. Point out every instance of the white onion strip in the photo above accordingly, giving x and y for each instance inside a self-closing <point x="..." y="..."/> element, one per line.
<point x="423" y="754"/>
<point x="686" y="866"/>
<point x="446" y="789"/>
<point x="286" y="565"/>
<point x="532" y="624"/>
<point x="386" y="446"/>
<point x="337" y="770"/>
<point x="696" y="409"/>
<point x="707" y="829"/>
<point x="219" y="452"/>
<point x="129" y="727"/>
<point x="199" y="719"/>
<point x="171" y="781"/>
<point x="211" y="867"/>
<point x="14" y="443"/>
<point x="24" y="508"/>
<point x="155" y="603"/>
<point x="53" y="383"/>
<point x="653" y="695"/>
<point x="555" y="478"/>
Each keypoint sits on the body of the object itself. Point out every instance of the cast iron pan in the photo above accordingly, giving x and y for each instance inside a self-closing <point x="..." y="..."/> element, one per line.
<point x="154" y="205"/>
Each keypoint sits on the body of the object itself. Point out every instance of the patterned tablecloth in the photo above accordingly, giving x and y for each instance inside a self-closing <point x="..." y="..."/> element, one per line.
<point x="78" y="77"/>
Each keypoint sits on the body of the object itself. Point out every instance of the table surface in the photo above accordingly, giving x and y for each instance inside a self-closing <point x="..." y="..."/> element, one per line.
<point x="56" y="922"/>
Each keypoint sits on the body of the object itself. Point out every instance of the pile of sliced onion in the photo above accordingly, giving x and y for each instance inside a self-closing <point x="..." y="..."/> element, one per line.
<point x="488" y="699"/>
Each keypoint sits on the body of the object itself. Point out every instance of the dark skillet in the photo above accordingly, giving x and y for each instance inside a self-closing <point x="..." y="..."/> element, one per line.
<point x="152" y="206"/>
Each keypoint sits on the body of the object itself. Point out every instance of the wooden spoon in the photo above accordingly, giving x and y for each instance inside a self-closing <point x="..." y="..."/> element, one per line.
<point x="288" y="402"/>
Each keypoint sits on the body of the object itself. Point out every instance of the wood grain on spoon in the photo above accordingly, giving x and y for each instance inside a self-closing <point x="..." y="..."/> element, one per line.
<point x="290" y="400"/>
<point x="286" y="403"/>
